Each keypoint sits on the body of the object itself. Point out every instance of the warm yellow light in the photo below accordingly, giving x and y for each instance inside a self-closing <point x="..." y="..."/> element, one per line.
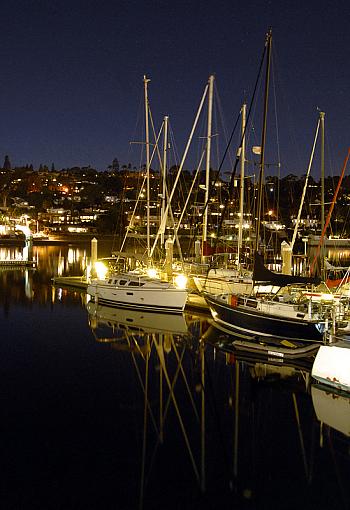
<point x="152" y="272"/>
<point x="101" y="270"/>
<point x="180" y="281"/>
<point x="327" y="297"/>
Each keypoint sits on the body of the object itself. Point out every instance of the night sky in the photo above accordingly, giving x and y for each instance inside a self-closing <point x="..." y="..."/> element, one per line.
<point x="72" y="76"/>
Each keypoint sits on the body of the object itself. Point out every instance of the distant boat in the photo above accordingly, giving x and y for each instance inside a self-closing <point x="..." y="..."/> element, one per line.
<point x="40" y="236"/>
<point x="336" y="242"/>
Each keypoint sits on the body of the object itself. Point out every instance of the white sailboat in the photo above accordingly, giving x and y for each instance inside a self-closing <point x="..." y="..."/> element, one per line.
<point x="220" y="280"/>
<point x="139" y="289"/>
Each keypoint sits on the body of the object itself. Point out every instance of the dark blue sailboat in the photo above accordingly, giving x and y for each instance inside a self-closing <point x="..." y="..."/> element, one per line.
<point x="284" y="315"/>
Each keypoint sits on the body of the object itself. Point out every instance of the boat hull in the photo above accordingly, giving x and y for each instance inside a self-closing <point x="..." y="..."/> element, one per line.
<point x="248" y="322"/>
<point x="332" y="365"/>
<point x="157" y="300"/>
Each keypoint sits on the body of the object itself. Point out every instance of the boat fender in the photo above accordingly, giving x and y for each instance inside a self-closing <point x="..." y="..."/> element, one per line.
<point x="234" y="301"/>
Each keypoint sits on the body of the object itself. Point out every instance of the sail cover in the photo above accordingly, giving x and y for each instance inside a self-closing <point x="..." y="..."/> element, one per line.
<point x="263" y="275"/>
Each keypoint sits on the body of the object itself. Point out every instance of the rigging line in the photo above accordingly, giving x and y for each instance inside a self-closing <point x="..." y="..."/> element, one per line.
<point x="221" y="116"/>
<point x="330" y="211"/>
<point x="143" y="184"/>
<point x="300" y="432"/>
<point x="277" y="136"/>
<point x="137" y="122"/>
<point x="341" y="484"/>
<point x="183" y="160"/>
<point x="231" y="182"/>
<point x="177" y="226"/>
<point x="173" y="145"/>
<point x="268" y="45"/>
<point x="305" y="188"/>
<point x="242" y="137"/>
<point x="128" y="228"/>
<point x="215" y="116"/>
<point x="185" y="381"/>
<point x="177" y="410"/>
<point x="210" y="394"/>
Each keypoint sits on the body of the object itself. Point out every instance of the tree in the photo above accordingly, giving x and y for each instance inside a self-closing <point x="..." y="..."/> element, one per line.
<point x="7" y="163"/>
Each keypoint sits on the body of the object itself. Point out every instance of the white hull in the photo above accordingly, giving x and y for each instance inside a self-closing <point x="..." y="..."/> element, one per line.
<point x="138" y="292"/>
<point x="332" y="365"/>
<point x="223" y="281"/>
<point x="217" y="286"/>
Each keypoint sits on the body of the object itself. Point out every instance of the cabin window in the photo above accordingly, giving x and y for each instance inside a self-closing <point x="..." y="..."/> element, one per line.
<point x="123" y="282"/>
<point x="136" y="284"/>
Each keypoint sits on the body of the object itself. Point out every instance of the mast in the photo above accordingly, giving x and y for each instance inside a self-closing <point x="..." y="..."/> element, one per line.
<point x="165" y="147"/>
<point x="268" y="44"/>
<point x="145" y="82"/>
<point x="207" y="163"/>
<point x="162" y="226"/>
<point x="322" y="265"/>
<point x="241" y="190"/>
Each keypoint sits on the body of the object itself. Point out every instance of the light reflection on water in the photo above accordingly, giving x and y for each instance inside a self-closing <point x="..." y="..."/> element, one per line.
<point x="107" y="408"/>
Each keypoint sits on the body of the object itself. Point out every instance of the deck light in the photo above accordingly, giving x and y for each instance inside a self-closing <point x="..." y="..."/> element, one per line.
<point x="152" y="272"/>
<point x="180" y="281"/>
<point x="101" y="270"/>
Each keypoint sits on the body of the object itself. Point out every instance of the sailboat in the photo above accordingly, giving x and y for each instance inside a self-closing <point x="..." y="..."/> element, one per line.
<point x="226" y="279"/>
<point x="139" y="289"/>
<point x="286" y="314"/>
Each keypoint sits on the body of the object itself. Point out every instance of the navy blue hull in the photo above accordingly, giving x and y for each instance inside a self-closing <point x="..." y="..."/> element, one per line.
<point x="250" y="323"/>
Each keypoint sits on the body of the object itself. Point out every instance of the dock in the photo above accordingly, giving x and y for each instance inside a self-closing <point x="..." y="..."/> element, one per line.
<point x="17" y="263"/>
<point x="74" y="282"/>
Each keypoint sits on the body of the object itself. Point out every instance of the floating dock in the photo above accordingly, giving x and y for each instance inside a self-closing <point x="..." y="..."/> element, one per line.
<point x="76" y="282"/>
<point x="18" y="263"/>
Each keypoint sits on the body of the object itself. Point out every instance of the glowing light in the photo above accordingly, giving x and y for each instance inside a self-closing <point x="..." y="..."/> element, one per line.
<point x="26" y="231"/>
<point x="101" y="270"/>
<point x="180" y="281"/>
<point x="152" y="272"/>
<point x="327" y="297"/>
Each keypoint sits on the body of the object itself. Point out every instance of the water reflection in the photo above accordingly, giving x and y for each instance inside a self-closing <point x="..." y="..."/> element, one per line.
<point x="235" y="414"/>
<point x="135" y="321"/>
<point x="153" y="411"/>
<point x="332" y="408"/>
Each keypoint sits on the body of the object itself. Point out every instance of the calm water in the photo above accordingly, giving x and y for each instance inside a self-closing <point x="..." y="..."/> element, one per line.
<point x="105" y="409"/>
